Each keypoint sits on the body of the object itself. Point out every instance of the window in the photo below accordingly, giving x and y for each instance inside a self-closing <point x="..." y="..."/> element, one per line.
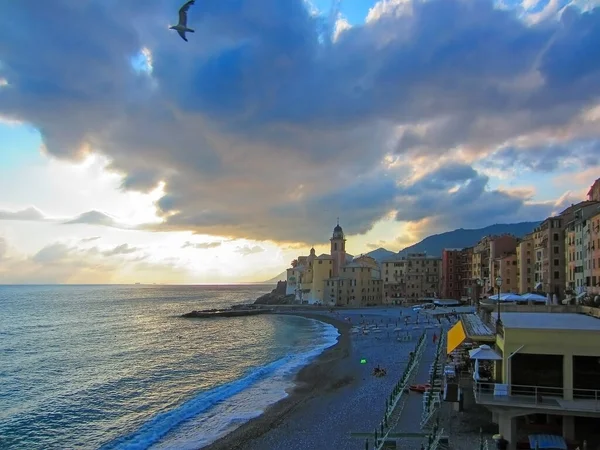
<point x="556" y="274"/>
<point x="556" y="250"/>
<point x="556" y="262"/>
<point x="555" y="237"/>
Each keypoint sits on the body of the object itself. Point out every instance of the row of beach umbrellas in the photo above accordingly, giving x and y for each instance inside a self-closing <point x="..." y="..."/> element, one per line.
<point x="529" y="297"/>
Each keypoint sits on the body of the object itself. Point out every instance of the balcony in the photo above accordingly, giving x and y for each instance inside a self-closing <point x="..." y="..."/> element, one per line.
<point x="576" y="401"/>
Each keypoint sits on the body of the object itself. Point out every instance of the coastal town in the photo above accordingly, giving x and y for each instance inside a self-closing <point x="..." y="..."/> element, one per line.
<point x="499" y="341"/>
<point x="560" y="258"/>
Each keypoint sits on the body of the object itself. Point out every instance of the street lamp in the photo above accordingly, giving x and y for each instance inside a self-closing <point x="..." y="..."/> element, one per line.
<point x="499" y="284"/>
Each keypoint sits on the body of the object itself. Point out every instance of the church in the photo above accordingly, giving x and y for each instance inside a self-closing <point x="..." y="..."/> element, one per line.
<point x="335" y="279"/>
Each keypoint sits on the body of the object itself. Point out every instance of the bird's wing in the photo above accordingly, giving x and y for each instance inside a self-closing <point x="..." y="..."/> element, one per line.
<point x="183" y="12"/>
<point x="182" y="34"/>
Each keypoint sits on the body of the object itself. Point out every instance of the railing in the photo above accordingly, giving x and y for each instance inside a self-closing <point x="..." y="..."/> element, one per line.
<point x="537" y="396"/>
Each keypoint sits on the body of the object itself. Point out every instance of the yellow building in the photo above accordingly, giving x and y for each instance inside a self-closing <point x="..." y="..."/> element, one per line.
<point x="525" y="265"/>
<point x="337" y="278"/>
<point x="547" y="368"/>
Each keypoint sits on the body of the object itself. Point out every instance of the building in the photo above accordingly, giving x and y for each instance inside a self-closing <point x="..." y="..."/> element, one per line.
<point x="451" y="273"/>
<point x="467" y="289"/>
<point x="550" y="251"/>
<point x="547" y="369"/>
<point x="525" y="265"/>
<point x="336" y="278"/>
<point x="485" y="253"/>
<point x="578" y="250"/>
<point x="594" y="252"/>
<point x="414" y="276"/>
<point x="594" y="192"/>
<point x="505" y="266"/>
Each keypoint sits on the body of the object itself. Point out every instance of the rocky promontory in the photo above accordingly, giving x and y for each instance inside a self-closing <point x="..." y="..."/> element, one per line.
<point x="276" y="296"/>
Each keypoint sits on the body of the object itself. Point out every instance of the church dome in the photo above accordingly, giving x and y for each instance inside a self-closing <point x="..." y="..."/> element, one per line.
<point x="338" y="233"/>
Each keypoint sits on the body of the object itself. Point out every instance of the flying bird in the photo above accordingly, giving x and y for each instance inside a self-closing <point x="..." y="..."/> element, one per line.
<point x="181" y="27"/>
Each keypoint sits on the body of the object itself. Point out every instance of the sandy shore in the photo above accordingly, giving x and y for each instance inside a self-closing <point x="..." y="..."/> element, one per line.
<point x="336" y="394"/>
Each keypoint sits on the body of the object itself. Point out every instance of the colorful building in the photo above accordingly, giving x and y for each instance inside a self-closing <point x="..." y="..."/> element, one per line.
<point x="525" y="265"/>
<point x="594" y="252"/>
<point x="336" y="278"/>
<point x="485" y="253"/>
<point x="505" y="266"/>
<point x="578" y="253"/>
<point x="414" y="276"/>
<point x="451" y="273"/>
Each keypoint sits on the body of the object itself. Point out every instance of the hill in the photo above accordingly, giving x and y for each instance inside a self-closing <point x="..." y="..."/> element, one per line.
<point x="433" y="245"/>
<point x="381" y="254"/>
<point x="281" y="277"/>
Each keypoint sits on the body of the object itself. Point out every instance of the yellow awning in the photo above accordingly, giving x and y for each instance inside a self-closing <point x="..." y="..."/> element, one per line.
<point x="456" y="336"/>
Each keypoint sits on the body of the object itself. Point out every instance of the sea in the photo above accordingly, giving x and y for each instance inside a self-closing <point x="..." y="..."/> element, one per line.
<point x="116" y="367"/>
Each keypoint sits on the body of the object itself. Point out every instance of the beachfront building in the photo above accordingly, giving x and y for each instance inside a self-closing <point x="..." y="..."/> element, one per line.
<point x="550" y="252"/>
<point x="594" y="252"/>
<point x="525" y="265"/>
<point x="414" y="276"/>
<point x="505" y="266"/>
<point x="485" y="253"/>
<point x="468" y="284"/>
<point x="336" y="278"/>
<point x="451" y="273"/>
<point x="547" y="368"/>
<point x="578" y="250"/>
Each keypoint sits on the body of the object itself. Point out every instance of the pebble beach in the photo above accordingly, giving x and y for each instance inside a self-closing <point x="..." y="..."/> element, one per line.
<point x="337" y="394"/>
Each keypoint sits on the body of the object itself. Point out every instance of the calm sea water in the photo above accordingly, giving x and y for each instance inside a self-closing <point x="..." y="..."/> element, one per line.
<point x="114" y="367"/>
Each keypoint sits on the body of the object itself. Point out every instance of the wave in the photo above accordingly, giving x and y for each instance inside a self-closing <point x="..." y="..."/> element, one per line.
<point x="163" y="424"/>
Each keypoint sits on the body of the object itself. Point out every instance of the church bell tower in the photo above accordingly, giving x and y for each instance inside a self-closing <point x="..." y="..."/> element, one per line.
<point x="338" y="249"/>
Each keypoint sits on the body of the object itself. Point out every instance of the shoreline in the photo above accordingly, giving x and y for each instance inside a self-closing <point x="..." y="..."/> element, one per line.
<point x="322" y="375"/>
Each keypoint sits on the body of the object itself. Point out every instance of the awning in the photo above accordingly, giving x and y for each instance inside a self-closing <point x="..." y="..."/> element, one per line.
<point x="547" y="441"/>
<point x="456" y="336"/>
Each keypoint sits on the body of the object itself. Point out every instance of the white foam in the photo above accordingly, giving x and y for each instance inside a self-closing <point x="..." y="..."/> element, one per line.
<point x="215" y="413"/>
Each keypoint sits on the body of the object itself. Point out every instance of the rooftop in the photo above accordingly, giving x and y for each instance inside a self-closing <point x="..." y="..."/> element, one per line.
<point x="549" y="321"/>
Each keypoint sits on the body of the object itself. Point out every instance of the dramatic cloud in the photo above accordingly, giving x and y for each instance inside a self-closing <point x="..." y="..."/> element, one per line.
<point x="264" y="126"/>
<point x="90" y="239"/>
<point x="246" y="250"/>
<point x="202" y="245"/>
<point x="26" y="214"/>
<point x="95" y="218"/>
<point x="123" y="249"/>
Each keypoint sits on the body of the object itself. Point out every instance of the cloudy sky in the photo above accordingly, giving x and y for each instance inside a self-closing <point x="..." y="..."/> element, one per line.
<point x="127" y="154"/>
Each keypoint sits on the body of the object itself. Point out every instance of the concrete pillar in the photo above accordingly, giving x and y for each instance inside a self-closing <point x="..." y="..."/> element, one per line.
<point x="507" y="427"/>
<point x="568" y="377"/>
<point x="568" y="427"/>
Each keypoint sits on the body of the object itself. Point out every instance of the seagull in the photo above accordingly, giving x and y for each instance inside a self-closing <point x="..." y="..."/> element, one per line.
<point x="181" y="27"/>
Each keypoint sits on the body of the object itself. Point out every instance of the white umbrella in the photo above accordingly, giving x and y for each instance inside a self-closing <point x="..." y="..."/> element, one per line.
<point x="484" y="353"/>
<point x="555" y="299"/>
<point x="548" y="299"/>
